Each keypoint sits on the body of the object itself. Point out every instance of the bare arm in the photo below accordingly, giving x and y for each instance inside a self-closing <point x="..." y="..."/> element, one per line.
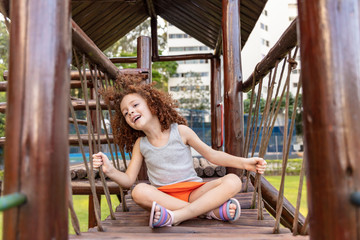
<point x="126" y="179"/>
<point x="220" y="158"/>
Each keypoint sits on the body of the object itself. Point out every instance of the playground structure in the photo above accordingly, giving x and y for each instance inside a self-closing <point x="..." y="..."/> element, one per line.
<point x="39" y="81"/>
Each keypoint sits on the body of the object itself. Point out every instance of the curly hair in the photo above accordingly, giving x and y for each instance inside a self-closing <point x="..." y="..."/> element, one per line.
<point x="160" y="104"/>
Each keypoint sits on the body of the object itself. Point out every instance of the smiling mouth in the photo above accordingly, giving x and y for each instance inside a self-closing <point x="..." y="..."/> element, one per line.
<point x="136" y="118"/>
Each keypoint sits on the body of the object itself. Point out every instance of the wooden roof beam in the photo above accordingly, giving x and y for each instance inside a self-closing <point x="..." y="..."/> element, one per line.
<point x="154" y="38"/>
<point x="286" y="42"/>
<point x="83" y="43"/>
<point x="150" y="7"/>
<point x="218" y="47"/>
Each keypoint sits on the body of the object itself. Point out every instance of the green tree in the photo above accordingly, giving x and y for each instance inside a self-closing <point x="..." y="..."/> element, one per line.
<point x="299" y="109"/>
<point x="247" y="103"/>
<point x="127" y="47"/>
<point x="4" y="44"/>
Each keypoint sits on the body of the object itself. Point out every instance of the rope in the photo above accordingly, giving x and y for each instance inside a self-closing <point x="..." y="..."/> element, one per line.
<point x="287" y="144"/>
<point x="305" y="228"/>
<point x="267" y="124"/>
<point x="254" y="132"/>
<point x="102" y="176"/>
<point x="89" y="171"/>
<point x="257" y="136"/>
<point x="296" y="217"/>
<point x="116" y="164"/>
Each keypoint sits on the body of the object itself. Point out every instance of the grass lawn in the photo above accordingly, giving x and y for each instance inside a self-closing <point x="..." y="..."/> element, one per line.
<point x="81" y="202"/>
<point x="291" y="190"/>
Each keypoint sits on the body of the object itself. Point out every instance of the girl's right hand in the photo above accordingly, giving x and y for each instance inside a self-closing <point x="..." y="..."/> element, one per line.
<point x="100" y="159"/>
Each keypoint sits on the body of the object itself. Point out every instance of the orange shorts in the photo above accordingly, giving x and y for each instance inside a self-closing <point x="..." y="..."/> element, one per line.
<point x="181" y="190"/>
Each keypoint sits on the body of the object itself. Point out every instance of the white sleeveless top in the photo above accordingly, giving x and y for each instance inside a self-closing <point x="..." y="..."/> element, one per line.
<point x="171" y="163"/>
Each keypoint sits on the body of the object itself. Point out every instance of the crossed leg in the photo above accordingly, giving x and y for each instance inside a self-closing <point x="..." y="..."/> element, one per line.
<point x="202" y="200"/>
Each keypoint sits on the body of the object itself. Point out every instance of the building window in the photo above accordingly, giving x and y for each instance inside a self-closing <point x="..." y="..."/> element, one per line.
<point x="264" y="26"/>
<point x="204" y="48"/>
<point x="189" y="88"/>
<point x="293" y="5"/>
<point x="190" y="74"/>
<point x="265" y="42"/>
<point x="191" y="48"/>
<point x="175" y="75"/>
<point x="176" y="49"/>
<point x="182" y="35"/>
<point x="295" y="84"/>
<point x="265" y="12"/>
<point x="196" y="61"/>
<point x="295" y="71"/>
<point x="180" y="49"/>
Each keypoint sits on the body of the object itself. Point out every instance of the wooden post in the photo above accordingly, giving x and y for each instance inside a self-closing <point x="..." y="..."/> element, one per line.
<point x="233" y="110"/>
<point x="144" y="54"/>
<point x="91" y="218"/>
<point x="36" y="151"/>
<point x="154" y="38"/>
<point x="144" y="61"/>
<point x="330" y="63"/>
<point x="216" y="128"/>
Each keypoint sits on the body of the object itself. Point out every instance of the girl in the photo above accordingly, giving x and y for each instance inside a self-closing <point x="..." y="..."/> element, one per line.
<point x="147" y="124"/>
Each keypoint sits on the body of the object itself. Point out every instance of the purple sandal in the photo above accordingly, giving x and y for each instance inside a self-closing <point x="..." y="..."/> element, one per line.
<point x="224" y="211"/>
<point x="166" y="217"/>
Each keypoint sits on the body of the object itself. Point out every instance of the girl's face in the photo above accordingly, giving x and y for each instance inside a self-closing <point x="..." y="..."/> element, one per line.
<point x="135" y="110"/>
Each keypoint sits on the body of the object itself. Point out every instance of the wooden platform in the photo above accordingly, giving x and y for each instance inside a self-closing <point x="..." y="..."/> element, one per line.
<point x="134" y="225"/>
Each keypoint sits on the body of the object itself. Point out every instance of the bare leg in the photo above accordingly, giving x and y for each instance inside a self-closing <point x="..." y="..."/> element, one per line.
<point x="145" y="194"/>
<point x="207" y="187"/>
<point x="204" y="199"/>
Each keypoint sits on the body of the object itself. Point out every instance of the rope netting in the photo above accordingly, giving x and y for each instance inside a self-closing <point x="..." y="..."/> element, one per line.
<point x="95" y="121"/>
<point x="260" y="125"/>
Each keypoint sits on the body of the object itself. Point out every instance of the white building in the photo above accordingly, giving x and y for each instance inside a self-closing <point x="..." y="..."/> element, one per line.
<point x="274" y="20"/>
<point x="196" y="71"/>
<point x="270" y="26"/>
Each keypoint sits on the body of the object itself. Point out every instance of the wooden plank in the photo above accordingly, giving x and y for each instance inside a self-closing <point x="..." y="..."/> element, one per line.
<point x="83" y="187"/>
<point x="134" y="225"/>
<point x="82" y="42"/>
<point x="331" y="86"/>
<point x="200" y="236"/>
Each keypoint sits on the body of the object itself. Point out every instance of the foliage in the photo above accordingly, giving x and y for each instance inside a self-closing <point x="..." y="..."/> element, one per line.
<point x="194" y="94"/>
<point x="127" y="47"/>
<point x="299" y="109"/>
<point x="4" y="44"/>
